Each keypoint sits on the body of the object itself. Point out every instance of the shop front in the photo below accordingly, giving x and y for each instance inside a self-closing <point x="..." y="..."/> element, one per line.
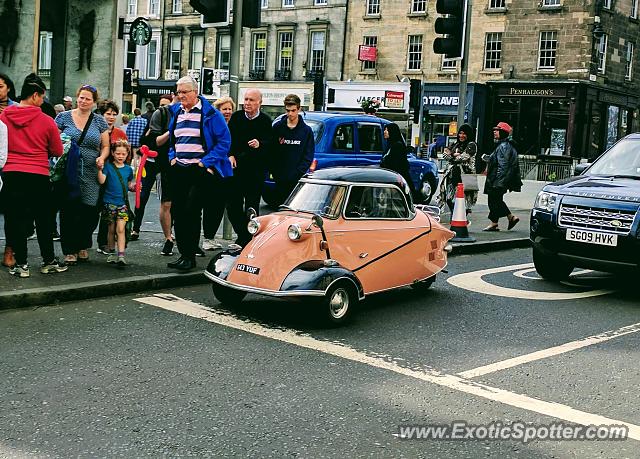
<point x="573" y="119"/>
<point x="393" y="98"/>
<point x="273" y="94"/>
<point x="440" y="108"/>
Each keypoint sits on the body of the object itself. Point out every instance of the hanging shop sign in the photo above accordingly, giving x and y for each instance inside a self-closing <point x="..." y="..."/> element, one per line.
<point x="140" y="32"/>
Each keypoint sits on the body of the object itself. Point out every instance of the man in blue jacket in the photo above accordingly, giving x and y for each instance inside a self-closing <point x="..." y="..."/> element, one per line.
<point x="199" y="143"/>
<point x="294" y="149"/>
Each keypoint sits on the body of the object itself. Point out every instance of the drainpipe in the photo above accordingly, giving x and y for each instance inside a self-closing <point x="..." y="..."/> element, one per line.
<point x="344" y="42"/>
<point x="36" y="37"/>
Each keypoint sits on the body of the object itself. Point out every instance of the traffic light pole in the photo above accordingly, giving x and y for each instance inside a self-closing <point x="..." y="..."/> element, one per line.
<point x="234" y="83"/>
<point x="462" y="90"/>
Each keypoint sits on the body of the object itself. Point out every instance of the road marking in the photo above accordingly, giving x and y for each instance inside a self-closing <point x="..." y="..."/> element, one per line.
<point x="473" y="281"/>
<point x="454" y="382"/>
<point x="552" y="351"/>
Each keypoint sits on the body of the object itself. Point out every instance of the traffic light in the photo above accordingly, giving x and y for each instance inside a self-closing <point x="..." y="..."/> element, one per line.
<point x="214" y="12"/>
<point x="415" y="98"/>
<point x="127" y="81"/>
<point x="206" y="80"/>
<point x="251" y="13"/>
<point x="452" y="27"/>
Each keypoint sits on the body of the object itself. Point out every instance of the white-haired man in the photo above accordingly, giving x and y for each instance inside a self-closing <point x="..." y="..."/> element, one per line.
<point x="199" y="143"/>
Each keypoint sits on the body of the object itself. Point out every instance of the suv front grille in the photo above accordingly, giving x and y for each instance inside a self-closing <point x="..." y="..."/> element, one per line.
<point x="596" y="219"/>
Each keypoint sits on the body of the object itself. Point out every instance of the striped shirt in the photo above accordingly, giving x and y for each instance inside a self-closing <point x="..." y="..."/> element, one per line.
<point x="188" y="145"/>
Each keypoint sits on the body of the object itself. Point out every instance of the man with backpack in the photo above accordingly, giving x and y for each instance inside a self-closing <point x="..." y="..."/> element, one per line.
<point x="158" y="125"/>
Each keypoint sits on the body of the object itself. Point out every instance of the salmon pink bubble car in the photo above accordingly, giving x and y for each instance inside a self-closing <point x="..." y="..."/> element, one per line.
<point x="343" y="234"/>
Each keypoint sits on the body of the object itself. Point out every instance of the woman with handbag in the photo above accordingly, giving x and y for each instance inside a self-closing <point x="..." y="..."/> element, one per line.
<point x="79" y="216"/>
<point x="32" y="138"/>
<point x="461" y="168"/>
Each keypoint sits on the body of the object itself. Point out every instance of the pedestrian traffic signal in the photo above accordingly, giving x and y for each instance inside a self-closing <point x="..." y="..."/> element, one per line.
<point x="206" y="80"/>
<point x="215" y="13"/>
<point x="451" y="26"/>
<point x="127" y="81"/>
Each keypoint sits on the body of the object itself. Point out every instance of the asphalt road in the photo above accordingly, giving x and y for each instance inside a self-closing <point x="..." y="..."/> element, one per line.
<point x="178" y="375"/>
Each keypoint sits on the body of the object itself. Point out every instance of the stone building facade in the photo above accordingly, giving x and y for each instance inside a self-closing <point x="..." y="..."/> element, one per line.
<point x="561" y="71"/>
<point x="53" y="38"/>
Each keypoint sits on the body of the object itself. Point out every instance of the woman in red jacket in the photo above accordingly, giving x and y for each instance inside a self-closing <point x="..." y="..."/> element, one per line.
<point x="33" y="137"/>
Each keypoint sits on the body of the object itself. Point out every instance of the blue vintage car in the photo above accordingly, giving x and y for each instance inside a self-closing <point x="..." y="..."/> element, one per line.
<point x="357" y="140"/>
<point x="591" y="220"/>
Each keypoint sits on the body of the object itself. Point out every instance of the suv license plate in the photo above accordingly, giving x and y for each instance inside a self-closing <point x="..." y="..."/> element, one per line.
<point x="592" y="237"/>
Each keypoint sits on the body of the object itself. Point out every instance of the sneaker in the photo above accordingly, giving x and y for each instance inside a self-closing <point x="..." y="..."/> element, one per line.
<point x="103" y="249"/>
<point x="53" y="266"/>
<point x="200" y="252"/>
<point x="134" y="235"/>
<point x="211" y="244"/>
<point x="55" y="236"/>
<point x="112" y="258"/>
<point x="121" y="263"/>
<point x="32" y="237"/>
<point x="234" y="246"/>
<point x="19" y="270"/>
<point x="167" y="250"/>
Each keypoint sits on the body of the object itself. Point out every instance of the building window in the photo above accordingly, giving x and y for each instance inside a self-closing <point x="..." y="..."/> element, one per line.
<point x="197" y="51"/>
<point x="550" y="2"/>
<point x="448" y="64"/>
<point x="285" y="50"/>
<point x="628" y="66"/>
<point x="44" y="52"/>
<point x="153" y="68"/>
<point x="224" y="51"/>
<point x="259" y="51"/>
<point x="175" y="51"/>
<point x="287" y="3"/>
<point x="494" y="4"/>
<point x="634" y="9"/>
<point x="132" y="8"/>
<point x="319" y="2"/>
<point x="264" y="4"/>
<point x="373" y="7"/>
<point x="154" y="7"/>
<point x="176" y="6"/>
<point x="369" y="41"/>
<point x="414" y="52"/>
<point x="548" y="50"/>
<point x="606" y="4"/>
<point x="418" y="6"/>
<point x="493" y="50"/>
<point x="317" y="50"/>
<point x="602" y="53"/>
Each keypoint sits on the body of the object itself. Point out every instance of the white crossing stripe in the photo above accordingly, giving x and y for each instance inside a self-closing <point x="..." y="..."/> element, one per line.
<point x="556" y="410"/>
<point x="550" y="352"/>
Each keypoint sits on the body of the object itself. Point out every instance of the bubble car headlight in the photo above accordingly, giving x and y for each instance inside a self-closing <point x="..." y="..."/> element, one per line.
<point x="294" y="232"/>
<point x="545" y="201"/>
<point x="253" y="226"/>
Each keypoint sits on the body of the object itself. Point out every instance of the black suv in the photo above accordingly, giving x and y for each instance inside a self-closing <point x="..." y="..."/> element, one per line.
<point x="591" y="220"/>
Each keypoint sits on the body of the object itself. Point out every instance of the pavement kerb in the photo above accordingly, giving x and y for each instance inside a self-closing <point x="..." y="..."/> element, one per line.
<point x="137" y="284"/>
<point x="96" y="289"/>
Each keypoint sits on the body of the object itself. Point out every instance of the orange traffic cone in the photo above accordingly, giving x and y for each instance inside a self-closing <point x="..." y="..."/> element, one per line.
<point x="459" y="218"/>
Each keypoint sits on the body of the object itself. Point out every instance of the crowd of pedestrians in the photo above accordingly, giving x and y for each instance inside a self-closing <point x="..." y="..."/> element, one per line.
<point x="210" y="158"/>
<point x="206" y="159"/>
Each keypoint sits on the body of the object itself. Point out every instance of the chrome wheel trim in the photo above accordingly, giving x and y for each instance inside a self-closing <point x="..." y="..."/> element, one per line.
<point x="339" y="303"/>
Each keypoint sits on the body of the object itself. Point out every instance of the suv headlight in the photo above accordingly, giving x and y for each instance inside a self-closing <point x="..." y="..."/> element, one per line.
<point x="546" y="201"/>
<point x="294" y="232"/>
<point x="253" y="226"/>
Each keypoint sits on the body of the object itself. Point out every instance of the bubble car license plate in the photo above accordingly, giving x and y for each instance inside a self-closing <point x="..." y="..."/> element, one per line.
<point x="247" y="268"/>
